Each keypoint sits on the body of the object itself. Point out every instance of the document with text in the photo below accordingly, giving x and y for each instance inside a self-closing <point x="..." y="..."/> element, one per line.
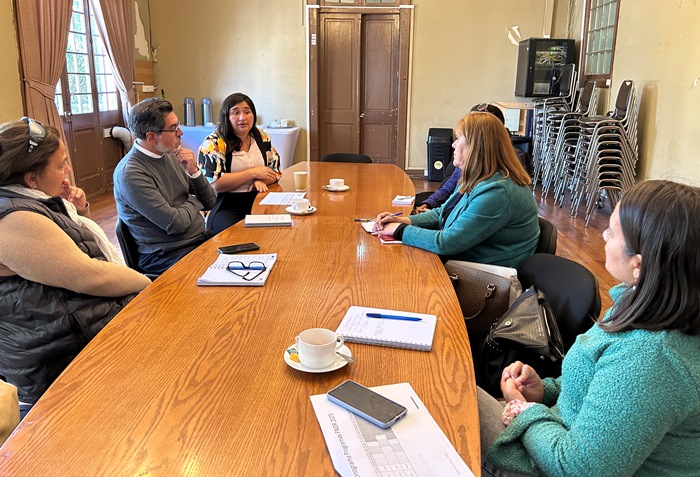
<point x="414" y="446"/>
<point x="281" y="198"/>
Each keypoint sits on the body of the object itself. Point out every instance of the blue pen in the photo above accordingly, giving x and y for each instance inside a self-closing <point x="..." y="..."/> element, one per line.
<point x="396" y="214"/>
<point x="393" y="317"/>
<point x="243" y="267"/>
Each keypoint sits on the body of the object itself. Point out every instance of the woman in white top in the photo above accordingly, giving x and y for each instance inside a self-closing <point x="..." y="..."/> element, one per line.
<point x="238" y="160"/>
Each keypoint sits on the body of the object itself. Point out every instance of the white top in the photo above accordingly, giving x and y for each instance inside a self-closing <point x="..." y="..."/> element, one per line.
<point x="241" y="161"/>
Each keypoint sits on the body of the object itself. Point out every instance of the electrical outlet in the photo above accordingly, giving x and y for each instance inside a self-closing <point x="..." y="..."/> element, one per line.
<point x="106" y="132"/>
<point x="148" y="88"/>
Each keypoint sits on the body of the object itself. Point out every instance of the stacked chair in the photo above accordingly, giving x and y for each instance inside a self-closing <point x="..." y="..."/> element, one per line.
<point x="605" y="156"/>
<point x="545" y="107"/>
<point x="561" y="133"/>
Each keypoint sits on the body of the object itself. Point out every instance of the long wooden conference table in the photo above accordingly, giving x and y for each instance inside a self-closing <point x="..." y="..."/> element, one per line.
<point x="191" y="381"/>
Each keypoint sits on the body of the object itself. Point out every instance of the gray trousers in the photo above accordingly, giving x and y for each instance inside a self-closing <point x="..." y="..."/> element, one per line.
<point x="490" y="410"/>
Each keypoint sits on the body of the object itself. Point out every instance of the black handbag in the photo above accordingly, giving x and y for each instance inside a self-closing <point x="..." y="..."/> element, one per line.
<point x="527" y="332"/>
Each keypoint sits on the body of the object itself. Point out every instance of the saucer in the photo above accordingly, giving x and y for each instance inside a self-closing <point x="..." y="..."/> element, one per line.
<point x="309" y="211"/>
<point x="336" y="189"/>
<point x="337" y="364"/>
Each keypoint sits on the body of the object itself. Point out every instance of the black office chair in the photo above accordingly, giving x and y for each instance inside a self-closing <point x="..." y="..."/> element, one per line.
<point x="548" y="237"/>
<point x="347" y="157"/>
<point x="571" y="290"/>
<point x="421" y="196"/>
<point x="130" y="249"/>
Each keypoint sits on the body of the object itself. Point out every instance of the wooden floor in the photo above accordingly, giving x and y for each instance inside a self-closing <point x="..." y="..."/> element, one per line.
<point x="576" y="242"/>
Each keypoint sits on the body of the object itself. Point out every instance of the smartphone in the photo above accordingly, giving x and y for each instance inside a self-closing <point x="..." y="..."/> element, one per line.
<point x="367" y="404"/>
<point x="239" y="248"/>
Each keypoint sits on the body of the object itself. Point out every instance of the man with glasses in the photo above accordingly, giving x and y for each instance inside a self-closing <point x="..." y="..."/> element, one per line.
<point x="159" y="188"/>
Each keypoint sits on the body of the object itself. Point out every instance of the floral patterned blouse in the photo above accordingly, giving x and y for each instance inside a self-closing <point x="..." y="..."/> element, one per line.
<point x="212" y="158"/>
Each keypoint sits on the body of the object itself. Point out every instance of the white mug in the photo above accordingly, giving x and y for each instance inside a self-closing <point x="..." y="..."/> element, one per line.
<point x="317" y="347"/>
<point x="300" y="204"/>
<point x="336" y="183"/>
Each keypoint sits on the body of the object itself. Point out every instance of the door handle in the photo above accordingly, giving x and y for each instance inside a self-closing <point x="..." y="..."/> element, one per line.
<point x="362" y="115"/>
<point x="67" y="117"/>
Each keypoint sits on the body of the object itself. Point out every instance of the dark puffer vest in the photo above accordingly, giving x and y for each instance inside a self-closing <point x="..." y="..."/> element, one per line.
<point x="42" y="328"/>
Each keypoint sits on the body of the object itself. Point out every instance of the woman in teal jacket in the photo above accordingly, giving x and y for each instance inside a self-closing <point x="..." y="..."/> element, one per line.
<point x="628" y="399"/>
<point x="491" y="217"/>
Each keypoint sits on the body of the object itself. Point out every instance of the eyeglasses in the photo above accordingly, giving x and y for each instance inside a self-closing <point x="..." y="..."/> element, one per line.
<point x="247" y="272"/>
<point x="170" y="130"/>
<point x="37" y="133"/>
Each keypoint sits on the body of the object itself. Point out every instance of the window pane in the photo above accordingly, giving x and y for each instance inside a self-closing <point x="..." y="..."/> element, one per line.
<point x="84" y="82"/>
<point x="82" y="65"/>
<point x="113" y="104"/>
<point x="111" y="87"/>
<point x="99" y="64"/>
<point x="74" y="104"/>
<point x="78" y="5"/>
<point x="79" y="43"/>
<point x="70" y="63"/>
<point x="102" y="101"/>
<point x="101" y="86"/>
<point x="606" y="63"/>
<point x="59" y="98"/>
<point x="77" y="22"/>
<point x="86" y="103"/>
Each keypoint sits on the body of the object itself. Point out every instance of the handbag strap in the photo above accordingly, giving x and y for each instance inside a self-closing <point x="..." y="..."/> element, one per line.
<point x="490" y="288"/>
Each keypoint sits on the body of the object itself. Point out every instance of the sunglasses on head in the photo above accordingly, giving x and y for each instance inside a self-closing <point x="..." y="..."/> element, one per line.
<point x="37" y="133"/>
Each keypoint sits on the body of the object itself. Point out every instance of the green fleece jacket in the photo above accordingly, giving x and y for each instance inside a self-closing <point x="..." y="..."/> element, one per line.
<point x="627" y="403"/>
<point x="496" y="223"/>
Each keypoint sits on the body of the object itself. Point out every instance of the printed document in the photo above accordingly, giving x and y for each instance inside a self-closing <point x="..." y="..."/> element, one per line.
<point x="281" y="198"/>
<point x="414" y="446"/>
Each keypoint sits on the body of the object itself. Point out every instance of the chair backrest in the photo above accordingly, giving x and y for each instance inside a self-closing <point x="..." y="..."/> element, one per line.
<point x="623" y="99"/>
<point x="128" y="245"/>
<point x="347" y="157"/>
<point x="587" y="94"/>
<point x="548" y="237"/>
<point x="571" y="290"/>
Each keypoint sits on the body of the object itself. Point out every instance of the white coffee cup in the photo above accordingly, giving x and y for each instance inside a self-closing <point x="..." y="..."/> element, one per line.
<point x="300" y="180"/>
<point x="336" y="183"/>
<point x="300" y="204"/>
<point x="317" y="347"/>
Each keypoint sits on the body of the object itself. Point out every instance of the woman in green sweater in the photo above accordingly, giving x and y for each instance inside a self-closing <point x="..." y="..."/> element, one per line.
<point x="628" y="399"/>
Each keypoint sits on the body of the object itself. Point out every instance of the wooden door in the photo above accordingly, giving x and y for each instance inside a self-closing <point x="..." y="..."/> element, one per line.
<point x="379" y="87"/>
<point x="358" y="84"/>
<point x="339" y="83"/>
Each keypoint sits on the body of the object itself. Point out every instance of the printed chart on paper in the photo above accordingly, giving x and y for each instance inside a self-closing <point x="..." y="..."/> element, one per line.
<point x="383" y="449"/>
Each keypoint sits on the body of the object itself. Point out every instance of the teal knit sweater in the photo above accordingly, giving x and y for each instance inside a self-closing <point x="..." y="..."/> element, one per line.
<point x="627" y="403"/>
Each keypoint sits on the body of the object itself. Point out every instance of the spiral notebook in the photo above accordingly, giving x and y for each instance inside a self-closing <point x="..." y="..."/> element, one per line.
<point x="356" y="327"/>
<point x="247" y="270"/>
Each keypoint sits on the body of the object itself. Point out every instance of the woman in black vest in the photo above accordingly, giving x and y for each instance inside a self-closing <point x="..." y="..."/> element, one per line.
<point x="61" y="280"/>
<point x="238" y="160"/>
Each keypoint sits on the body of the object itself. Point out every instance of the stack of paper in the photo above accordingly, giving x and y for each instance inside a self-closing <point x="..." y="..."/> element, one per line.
<point x="268" y="220"/>
<point x="403" y="200"/>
